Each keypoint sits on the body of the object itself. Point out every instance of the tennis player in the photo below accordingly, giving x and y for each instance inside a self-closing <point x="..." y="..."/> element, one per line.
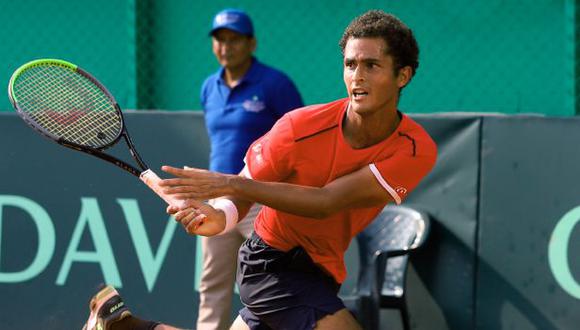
<point x="323" y="173"/>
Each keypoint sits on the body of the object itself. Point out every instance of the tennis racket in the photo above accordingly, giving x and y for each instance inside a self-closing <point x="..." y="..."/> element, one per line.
<point x="69" y="106"/>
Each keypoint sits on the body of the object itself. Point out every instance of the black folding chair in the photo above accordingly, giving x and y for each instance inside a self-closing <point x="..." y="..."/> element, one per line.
<point x="384" y="248"/>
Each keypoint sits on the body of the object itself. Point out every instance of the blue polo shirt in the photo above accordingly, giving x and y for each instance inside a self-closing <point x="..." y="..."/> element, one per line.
<point x="235" y="117"/>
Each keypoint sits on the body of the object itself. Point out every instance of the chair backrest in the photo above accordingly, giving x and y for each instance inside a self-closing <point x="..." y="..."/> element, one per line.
<point x="396" y="228"/>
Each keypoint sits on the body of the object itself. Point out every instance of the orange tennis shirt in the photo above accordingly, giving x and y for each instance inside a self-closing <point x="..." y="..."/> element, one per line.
<point x="306" y="147"/>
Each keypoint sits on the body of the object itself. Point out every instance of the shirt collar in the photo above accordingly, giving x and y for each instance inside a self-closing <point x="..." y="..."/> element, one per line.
<point x="252" y="75"/>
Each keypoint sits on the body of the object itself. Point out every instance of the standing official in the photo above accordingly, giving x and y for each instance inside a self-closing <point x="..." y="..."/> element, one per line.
<point x="241" y="102"/>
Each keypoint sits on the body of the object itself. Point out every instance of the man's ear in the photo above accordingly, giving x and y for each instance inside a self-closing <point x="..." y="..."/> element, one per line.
<point x="253" y="44"/>
<point x="404" y="76"/>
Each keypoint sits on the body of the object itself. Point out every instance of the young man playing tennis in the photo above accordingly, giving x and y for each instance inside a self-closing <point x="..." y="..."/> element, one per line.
<point x="323" y="172"/>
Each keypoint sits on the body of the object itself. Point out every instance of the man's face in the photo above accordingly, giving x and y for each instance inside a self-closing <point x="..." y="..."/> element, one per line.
<point x="232" y="49"/>
<point x="369" y="76"/>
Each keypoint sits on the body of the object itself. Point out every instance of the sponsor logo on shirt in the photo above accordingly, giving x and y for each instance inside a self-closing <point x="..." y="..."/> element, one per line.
<point x="254" y="105"/>
<point x="401" y="191"/>
<point x="257" y="150"/>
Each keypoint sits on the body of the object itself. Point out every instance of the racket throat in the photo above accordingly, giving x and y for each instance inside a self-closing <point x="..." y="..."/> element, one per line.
<point x="133" y="152"/>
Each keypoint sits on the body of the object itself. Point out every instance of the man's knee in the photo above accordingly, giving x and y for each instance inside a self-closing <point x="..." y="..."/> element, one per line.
<point x="342" y="320"/>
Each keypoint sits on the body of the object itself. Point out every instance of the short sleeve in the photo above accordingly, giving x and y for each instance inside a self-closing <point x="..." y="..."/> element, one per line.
<point x="402" y="172"/>
<point x="269" y="158"/>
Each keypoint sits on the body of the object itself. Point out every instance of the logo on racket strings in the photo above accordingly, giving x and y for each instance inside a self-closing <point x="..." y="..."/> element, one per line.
<point x="65" y="117"/>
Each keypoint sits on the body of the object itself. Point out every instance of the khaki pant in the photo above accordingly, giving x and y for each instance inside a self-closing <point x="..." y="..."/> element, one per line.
<point x="220" y="254"/>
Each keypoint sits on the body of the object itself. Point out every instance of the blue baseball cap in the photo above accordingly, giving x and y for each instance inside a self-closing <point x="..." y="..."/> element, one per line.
<point x="233" y="19"/>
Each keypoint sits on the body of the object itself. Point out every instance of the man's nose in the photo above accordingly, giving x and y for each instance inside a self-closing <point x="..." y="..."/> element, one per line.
<point x="358" y="73"/>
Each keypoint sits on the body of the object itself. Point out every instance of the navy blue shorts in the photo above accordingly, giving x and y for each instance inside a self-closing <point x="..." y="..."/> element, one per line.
<point x="283" y="290"/>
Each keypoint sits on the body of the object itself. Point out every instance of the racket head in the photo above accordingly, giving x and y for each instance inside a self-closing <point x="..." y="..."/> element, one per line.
<point x="66" y="104"/>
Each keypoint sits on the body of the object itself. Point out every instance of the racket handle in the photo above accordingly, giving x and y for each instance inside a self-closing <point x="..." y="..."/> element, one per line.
<point x="152" y="180"/>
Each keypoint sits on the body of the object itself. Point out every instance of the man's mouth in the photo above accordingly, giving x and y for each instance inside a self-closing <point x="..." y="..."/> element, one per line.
<point x="356" y="93"/>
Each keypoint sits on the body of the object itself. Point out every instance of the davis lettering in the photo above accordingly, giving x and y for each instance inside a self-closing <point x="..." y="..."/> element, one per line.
<point x="90" y="220"/>
<point x="558" y="252"/>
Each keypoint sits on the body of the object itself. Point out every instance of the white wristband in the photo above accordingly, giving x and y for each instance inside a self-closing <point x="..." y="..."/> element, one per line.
<point x="229" y="209"/>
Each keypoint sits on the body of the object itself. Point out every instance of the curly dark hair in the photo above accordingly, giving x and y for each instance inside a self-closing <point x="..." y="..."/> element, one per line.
<point x="401" y="43"/>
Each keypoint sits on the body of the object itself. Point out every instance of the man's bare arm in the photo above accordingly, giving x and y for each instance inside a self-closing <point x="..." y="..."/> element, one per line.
<point x="357" y="189"/>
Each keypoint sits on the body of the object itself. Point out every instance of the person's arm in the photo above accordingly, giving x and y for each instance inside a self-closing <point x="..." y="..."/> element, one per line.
<point x="199" y="218"/>
<point x="209" y="219"/>
<point x="357" y="189"/>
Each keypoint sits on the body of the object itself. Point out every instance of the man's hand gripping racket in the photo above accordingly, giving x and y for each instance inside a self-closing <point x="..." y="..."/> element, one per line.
<point x="69" y="106"/>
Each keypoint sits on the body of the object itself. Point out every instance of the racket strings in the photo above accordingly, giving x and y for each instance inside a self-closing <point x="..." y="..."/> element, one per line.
<point x="66" y="116"/>
<point x="68" y="105"/>
<point x="70" y="110"/>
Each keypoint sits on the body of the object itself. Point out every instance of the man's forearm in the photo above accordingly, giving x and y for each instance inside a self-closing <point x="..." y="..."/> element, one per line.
<point x="242" y="205"/>
<point x="304" y="201"/>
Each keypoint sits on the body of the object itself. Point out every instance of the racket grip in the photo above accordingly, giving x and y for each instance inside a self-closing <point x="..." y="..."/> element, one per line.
<point x="152" y="180"/>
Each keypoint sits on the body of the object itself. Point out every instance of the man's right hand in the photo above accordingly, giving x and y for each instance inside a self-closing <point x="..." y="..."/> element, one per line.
<point x="199" y="218"/>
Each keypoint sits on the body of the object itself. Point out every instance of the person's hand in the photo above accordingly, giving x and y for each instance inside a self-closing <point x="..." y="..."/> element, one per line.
<point x="193" y="183"/>
<point x="198" y="218"/>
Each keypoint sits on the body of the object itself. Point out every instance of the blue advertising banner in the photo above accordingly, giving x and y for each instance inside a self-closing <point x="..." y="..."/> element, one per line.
<point x="529" y="237"/>
<point x="69" y="221"/>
